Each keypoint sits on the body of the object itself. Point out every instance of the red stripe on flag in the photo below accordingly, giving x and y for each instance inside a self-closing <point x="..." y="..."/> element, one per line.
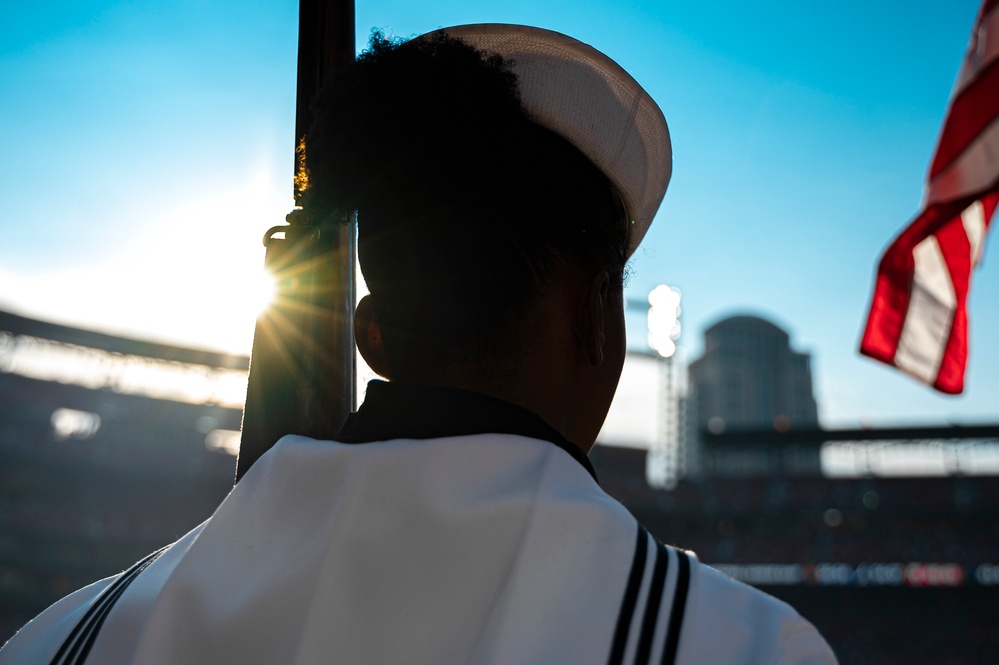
<point x="956" y="249"/>
<point x="991" y="202"/>
<point x="960" y="262"/>
<point x="972" y="111"/>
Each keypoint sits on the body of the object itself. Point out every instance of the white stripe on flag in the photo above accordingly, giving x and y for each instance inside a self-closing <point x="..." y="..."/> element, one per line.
<point x="973" y="219"/>
<point x="972" y="172"/>
<point x="928" y="321"/>
<point x="987" y="51"/>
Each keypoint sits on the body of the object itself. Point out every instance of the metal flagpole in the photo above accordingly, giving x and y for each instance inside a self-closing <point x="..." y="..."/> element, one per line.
<point x="302" y="373"/>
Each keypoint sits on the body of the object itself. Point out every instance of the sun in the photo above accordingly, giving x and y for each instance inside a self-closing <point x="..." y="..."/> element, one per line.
<point x="261" y="288"/>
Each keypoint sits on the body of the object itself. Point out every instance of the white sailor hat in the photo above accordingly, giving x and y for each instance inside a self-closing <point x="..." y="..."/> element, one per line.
<point x="588" y="99"/>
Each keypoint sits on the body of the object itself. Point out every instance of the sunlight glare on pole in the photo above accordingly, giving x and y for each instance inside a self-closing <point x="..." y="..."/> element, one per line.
<point x="261" y="290"/>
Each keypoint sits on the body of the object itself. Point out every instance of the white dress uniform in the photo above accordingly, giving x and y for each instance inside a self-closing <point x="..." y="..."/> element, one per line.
<point x="459" y="548"/>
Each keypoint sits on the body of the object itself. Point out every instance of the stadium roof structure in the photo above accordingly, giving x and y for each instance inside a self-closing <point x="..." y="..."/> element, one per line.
<point x="21" y="325"/>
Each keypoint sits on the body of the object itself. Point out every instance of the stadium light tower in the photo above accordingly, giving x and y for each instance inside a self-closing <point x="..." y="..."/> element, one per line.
<point x="664" y="331"/>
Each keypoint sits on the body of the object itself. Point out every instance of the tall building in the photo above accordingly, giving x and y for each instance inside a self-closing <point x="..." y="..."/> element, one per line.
<point x="749" y="378"/>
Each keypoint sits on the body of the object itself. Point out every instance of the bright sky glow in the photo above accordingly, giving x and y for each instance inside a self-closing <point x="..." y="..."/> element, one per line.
<point x="148" y="145"/>
<point x="637" y="417"/>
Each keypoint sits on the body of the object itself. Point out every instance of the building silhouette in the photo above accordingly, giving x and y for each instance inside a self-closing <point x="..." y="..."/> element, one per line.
<point x="749" y="378"/>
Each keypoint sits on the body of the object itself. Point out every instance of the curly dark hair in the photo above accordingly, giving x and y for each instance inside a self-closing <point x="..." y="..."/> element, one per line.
<point x="464" y="204"/>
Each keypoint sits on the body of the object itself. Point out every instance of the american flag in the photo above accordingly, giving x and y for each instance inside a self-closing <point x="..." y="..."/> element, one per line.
<point x="918" y="320"/>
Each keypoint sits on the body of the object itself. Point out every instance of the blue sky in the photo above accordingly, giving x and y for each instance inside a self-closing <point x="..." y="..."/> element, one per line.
<point x="146" y="146"/>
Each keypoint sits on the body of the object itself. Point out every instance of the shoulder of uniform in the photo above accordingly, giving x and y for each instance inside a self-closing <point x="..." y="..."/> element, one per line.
<point x="41" y="637"/>
<point x="651" y="617"/>
<point x="676" y="609"/>
<point x="757" y="627"/>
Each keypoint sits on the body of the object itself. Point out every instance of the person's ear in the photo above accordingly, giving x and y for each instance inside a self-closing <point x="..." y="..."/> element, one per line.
<point x="591" y="317"/>
<point x="368" y="337"/>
